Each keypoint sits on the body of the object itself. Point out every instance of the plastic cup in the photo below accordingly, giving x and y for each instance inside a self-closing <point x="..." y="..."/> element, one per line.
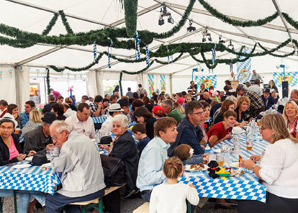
<point x="220" y="158"/>
<point x="249" y="145"/>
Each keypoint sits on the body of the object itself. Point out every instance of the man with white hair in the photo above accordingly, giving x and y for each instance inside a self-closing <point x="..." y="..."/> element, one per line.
<point x="171" y="111"/>
<point x="76" y="158"/>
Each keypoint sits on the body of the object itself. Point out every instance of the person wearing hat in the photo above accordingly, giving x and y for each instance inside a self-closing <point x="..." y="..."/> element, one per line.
<point x="267" y="99"/>
<point x="107" y="126"/>
<point x="256" y="103"/>
<point x="124" y="103"/>
<point x="84" y="99"/>
<point x="96" y="106"/>
<point x="81" y="121"/>
<point x="158" y="112"/>
<point x="39" y="138"/>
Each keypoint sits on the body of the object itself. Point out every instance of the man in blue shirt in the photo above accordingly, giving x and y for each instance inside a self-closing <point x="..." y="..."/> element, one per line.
<point x="154" y="155"/>
<point x="24" y="116"/>
<point x="189" y="131"/>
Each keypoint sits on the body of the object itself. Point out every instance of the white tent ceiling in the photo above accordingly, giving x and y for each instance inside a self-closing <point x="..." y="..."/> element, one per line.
<point x="86" y="15"/>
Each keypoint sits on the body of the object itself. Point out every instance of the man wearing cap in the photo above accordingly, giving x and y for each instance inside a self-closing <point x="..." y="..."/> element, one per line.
<point x="124" y="103"/>
<point x="39" y="138"/>
<point x="141" y="90"/>
<point x="256" y="103"/>
<point x="81" y="121"/>
<point x="267" y="99"/>
<point x="107" y="126"/>
<point x="96" y="106"/>
<point x="85" y="99"/>
<point x="48" y="106"/>
<point x="157" y="112"/>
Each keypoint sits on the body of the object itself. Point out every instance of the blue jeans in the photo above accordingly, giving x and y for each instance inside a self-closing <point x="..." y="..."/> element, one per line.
<point x="24" y="198"/>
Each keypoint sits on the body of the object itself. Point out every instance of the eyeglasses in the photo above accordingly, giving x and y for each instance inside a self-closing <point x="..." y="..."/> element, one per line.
<point x="198" y="113"/>
<point x="55" y="137"/>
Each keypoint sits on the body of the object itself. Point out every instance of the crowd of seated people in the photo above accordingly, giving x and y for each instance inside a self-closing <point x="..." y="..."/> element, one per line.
<point x="163" y="126"/>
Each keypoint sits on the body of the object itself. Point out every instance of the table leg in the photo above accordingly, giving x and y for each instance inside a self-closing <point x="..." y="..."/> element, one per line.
<point x="15" y="201"/>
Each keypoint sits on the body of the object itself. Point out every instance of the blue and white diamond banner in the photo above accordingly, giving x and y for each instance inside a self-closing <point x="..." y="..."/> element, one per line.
<point x="244" y="68"/>
<point x="151" y="83"/>
<point x="291" y="77"/>
<point x="163" y="83"/>
<point x="208" y="81"/>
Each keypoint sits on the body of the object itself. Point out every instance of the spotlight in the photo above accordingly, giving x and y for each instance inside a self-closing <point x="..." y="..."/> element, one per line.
<point x="170" y="19"/>
<point x="209" y="36"/>
<point x="164" y="12"/>
<point x="231" y="46"/>
<point x="190" y="28"/>
<point x="220" y="40"/>
<point x="161" y="21"/>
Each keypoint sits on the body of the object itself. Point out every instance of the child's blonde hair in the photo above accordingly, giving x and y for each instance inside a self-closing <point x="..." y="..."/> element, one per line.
<point x="173" y="167"/>
<point x="182" y="151"/>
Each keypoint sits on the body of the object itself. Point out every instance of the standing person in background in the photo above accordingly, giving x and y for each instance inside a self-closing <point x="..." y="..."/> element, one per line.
<point x="129" y="93"/>
<point x="3" y="107"/>
<point x="141" y="90"/>
<point x="55" y="93"/>
<point x="255" y="76"/>
<point x="24" y="116"/>
<point x="48" y="106"/>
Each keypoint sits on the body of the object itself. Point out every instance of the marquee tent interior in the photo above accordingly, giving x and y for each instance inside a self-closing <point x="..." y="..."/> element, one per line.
<point x="20" y="67"/>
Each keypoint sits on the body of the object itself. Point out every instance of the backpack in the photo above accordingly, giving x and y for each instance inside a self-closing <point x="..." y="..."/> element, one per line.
<point x="114" y="170"/>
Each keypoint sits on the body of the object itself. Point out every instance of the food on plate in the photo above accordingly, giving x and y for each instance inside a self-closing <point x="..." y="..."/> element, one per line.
<point x="235" y="164"/>
<point x="198" y="166"/>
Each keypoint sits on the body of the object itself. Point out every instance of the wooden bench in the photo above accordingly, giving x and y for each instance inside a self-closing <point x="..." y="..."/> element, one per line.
<point x="96" y="203"/>
<point x="143" y="208"/>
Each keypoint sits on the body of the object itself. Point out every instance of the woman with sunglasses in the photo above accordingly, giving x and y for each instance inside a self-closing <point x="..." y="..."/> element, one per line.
<point x="278" y="168"/>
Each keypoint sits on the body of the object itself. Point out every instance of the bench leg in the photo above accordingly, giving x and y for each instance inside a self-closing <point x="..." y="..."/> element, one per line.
<point x="1" y="204"/>
<point x="100" y="206"/>
<point x="83" y="209"/>
<point x="15" y="201"/>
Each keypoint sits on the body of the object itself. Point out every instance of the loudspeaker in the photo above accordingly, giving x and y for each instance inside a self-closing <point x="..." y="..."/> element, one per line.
<point x="285" y="89"/>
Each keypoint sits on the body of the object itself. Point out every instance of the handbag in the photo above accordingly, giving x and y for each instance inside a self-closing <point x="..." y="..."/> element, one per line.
<point x="114" y="170"/>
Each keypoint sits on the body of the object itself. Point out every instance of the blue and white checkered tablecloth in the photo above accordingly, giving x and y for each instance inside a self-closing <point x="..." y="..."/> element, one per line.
<point x="245" y="187"/>
<point x="99" y="120"/>
<point x="32" y="178"/>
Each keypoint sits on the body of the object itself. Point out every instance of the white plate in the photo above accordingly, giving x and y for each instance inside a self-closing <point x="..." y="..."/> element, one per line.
<point x="21" y="166"/>
<point x="29" y="158"/>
